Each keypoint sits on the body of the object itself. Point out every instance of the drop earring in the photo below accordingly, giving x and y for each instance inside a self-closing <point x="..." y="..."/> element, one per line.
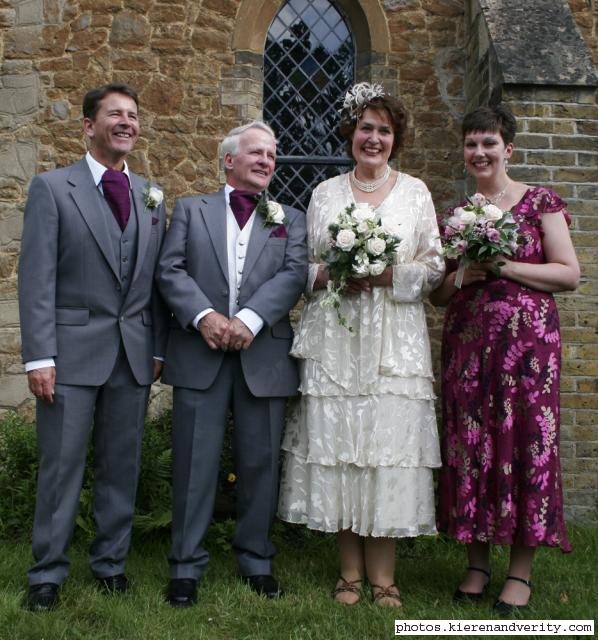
<point x="506" y="165"/>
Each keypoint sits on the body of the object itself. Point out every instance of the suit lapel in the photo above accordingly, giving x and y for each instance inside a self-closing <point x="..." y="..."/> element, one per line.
<point x="213" y="211"/>
<point x="88" y="199"/>
<point x="144" y="220"/>
<point x="257" y="240"/>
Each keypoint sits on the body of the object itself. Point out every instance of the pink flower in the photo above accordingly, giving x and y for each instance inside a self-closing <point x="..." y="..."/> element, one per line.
<point x="492" y="234"/>
<point x="461" y="246"/>
<point x="471" y="508"/>
<point x="478" y="200"/>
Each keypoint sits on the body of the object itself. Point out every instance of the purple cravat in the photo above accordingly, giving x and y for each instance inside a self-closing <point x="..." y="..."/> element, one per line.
<point x="242" y="204"/>
<point x="115" y="185"/>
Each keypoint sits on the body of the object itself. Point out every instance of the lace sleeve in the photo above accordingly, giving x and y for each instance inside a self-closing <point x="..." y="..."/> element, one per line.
<point x="415" y="279"/>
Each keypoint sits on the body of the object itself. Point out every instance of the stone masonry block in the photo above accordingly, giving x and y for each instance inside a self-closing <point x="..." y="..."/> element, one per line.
<point x="14" y="390"/>
<point x="29" y="11"/>
<point x="9" y="313"/>
<point x="19" y="98"/>
<point x="552" y="158"/>
<point x="11" y="227"/>
<point x="17" y="160"/>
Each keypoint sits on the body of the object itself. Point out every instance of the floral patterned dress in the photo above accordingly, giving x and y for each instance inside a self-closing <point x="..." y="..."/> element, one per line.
<point x="501" y="479"/>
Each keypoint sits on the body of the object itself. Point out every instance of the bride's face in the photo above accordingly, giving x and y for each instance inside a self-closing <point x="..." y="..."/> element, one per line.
<point x="373" y="139"/>
<point x="485" y="153"/>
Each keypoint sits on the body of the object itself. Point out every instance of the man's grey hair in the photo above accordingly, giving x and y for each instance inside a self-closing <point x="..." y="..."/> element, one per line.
<point x="230" y="144"/>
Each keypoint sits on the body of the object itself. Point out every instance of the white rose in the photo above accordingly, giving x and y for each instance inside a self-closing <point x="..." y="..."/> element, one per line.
<point x="467" y="217"/>
<point x="362" y="226"/>
<point x="376" y="246"/>
<point x="363" y="211"/>
<point x="390" y="227"/>
<point x="275" y="212"/>
<point x="361" y="270"/>
<point x="345" y="240"/>
<point x="377" y="267"/>
<point x="492" y="212"/>
<point x="458" y="212"/>
<point x="156" y="195"/>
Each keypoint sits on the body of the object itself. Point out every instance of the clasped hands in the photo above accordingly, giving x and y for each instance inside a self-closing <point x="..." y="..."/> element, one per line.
<point x="228" y="334"/>
<point x="356" y="285"/>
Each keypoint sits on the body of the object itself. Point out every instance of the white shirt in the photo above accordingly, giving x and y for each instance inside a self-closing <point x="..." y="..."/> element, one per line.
<point x="236" y="245"/>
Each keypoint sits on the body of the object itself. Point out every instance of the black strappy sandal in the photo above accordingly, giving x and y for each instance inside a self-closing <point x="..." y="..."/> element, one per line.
<point x="464" y="596"/>
<point x="506" y="609"/>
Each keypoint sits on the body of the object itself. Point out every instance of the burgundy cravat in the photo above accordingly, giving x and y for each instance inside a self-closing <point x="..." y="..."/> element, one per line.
<point x="115" y="185"/>
<point x="242" y="204"/>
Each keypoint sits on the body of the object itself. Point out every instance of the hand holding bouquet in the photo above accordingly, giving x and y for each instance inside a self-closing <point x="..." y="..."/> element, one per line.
<point x="478" y="232"/>
<point x="361" y="245"/>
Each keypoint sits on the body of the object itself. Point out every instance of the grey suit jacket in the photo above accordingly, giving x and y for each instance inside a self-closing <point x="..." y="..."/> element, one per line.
<point x="70" y="300"/>
<point x="192" y="276"/>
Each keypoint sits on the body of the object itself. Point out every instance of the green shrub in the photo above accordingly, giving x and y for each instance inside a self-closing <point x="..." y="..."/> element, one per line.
<point x="18" y="473"/>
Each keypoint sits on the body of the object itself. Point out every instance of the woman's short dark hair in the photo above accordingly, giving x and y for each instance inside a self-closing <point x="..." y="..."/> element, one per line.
<point x="398" y="118"/>
<point x="92" y="99"/>
<point x="498" y="119"/>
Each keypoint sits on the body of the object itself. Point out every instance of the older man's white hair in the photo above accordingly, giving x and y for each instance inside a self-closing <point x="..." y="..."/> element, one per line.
<point x="230" y="144"/>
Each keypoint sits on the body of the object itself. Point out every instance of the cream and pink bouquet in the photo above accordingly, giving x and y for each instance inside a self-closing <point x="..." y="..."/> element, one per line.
<point x="478" y="232"/>
<point x="361" y="245"/>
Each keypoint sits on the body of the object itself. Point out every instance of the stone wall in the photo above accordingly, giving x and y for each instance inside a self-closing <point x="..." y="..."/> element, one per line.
<point x="197" y="66"/>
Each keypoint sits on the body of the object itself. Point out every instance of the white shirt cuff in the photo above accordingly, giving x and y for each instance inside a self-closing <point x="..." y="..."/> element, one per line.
<point x="200" y="315"/>
<point x="251" y="319"/>
<point x="39" y="364"/>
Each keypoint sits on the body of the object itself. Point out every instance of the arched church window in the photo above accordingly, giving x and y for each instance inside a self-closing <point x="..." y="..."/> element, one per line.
<point x="309" y="63"/>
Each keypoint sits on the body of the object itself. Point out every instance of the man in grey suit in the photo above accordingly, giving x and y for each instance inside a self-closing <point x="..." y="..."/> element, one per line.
<point x="92" y="324"/>
<point x="230" y="272"/>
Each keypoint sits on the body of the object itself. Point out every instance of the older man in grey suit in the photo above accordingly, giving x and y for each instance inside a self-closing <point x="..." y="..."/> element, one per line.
<point x="230" y="272"/>
<point x="91" y="326"/>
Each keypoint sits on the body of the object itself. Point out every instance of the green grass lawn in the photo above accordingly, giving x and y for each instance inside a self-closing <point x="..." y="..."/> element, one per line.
<point x="565" y="587"/>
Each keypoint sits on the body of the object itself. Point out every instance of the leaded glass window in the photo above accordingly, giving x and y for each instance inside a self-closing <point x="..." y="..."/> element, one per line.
<point x="309" y="64"/>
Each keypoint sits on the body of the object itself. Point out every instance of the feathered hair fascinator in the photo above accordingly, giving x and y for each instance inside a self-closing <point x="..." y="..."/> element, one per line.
<point x="358" y="98"/>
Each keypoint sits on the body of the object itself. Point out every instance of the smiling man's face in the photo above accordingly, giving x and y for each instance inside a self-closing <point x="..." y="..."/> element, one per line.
<point x="252" y="167"/>
<point x="114" y="130"/>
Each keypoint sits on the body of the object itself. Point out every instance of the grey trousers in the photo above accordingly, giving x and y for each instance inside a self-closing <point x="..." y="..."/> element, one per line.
<point x="117" y="411"/>
<point x="198" y="427"/>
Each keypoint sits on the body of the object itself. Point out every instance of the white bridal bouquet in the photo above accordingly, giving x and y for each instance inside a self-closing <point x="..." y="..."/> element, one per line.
<point x="477" y="232"/>
<point x="361" y="245"/>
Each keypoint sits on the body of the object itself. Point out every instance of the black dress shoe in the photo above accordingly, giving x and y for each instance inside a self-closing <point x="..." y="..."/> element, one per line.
<point x="42" y="597"/>
<point x="114" y="584"/>
<point x="506" y="609"/>
<point x="182" y="592"/>
<point x="466" y="596"/>
<point x="264" y="586"/>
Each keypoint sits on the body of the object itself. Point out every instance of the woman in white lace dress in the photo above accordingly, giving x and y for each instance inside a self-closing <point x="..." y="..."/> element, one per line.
<point x="361" y="443"/>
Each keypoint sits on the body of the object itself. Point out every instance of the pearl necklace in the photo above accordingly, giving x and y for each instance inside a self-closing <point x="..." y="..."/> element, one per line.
<point x="497" y="196"/>
<point x="368" y="187"/>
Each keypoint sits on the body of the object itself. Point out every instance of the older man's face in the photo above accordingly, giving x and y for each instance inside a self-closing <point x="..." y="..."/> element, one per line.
<point x="252" y="167"/>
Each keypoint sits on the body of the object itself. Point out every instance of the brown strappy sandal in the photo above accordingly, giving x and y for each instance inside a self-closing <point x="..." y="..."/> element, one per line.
<point x="347" y="586"/>
<point x="391" y="592"/>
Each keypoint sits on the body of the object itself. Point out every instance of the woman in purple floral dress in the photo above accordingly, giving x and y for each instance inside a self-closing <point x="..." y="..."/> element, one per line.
<point x="501" y="479"/>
